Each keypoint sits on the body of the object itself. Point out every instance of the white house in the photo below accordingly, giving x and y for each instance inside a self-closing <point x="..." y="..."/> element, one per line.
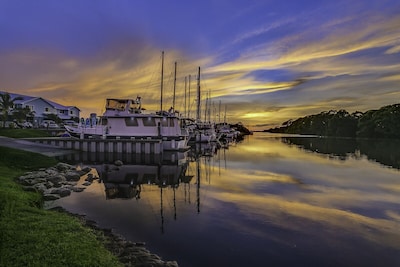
<point x="41" y="108"/>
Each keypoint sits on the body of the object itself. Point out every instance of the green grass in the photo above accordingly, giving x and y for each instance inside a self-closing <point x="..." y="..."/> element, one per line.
<point x="23" y="133"/>
<point x="31" y="236"/>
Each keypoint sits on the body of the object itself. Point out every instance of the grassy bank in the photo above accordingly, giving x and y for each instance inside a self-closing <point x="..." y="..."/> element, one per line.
<point x="31" y="236"/>
<point x="23" y="133"/>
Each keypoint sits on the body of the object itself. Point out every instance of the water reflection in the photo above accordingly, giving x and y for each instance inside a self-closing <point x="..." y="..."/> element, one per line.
<point x="268" y="201"/>
<point x="125" y="181"/>
<point x="384" y="151"/>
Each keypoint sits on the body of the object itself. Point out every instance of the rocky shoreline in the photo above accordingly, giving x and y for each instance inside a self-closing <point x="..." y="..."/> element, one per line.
<point x="59" y="181"/>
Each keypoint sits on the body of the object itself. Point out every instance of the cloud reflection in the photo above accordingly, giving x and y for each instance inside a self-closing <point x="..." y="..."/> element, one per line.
<point x="288" y="187"/>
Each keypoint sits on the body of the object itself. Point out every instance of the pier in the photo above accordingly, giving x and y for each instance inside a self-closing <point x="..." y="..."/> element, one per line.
<point x="129" y="146"/>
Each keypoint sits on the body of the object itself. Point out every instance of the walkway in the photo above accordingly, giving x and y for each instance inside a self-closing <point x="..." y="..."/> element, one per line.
<point x="43" y="149"/>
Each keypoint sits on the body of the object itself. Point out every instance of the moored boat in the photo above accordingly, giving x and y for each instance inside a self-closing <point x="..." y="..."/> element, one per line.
<point x="125" y="119"/>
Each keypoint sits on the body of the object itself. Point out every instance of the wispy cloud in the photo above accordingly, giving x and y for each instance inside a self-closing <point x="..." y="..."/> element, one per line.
<point x="334" y="60"/>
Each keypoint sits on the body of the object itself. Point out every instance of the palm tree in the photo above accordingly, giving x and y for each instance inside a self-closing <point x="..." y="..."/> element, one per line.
<point x="21" y="114"/>
<point x="6" y="103"/>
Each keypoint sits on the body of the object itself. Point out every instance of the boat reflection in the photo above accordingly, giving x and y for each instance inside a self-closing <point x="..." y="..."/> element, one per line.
<point x="168" y="183"/>
<point x="384" y="151"/>
<point x="125" y="181"/>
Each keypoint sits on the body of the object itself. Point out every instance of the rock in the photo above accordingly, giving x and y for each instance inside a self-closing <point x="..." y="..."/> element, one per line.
<point x="86" y="170"/>
<point x="52" y="171"/>
<point x="65" y="192"/>
<point x="77" y="189"/>
<point x="49" y="184"/>
<point x="89" y="177"/>
<point x="57" y="178"/>
<point x="49" y="197"/>
<point x="72" y="176"/>
<point x="64" y="167"/>
<point x="53" y="182"/>
<point x="87" y="183"/>
<point x="118" y="163"/>
<point x="62" y="192"/>
<point x="40" y="187"/>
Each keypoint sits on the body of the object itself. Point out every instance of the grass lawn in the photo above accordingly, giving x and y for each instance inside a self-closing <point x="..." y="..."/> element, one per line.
<point x="23" y="133"/>
<point x="31" y="236"/>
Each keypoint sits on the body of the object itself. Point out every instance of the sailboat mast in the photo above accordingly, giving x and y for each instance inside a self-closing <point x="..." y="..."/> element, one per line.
<point x="189" y="97"/>
<point x="198" y="97"/>
<point x="225" y="115"/>
<point x="162" y="80"/>
<point x="219" y="112"/>
<point x="209" y="105"/>
<point x="173" y="100"/>
<point x="206" y="108"/>
<point x="185" y="97"/>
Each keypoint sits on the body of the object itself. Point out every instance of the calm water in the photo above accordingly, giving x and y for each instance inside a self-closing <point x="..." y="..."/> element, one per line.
<point x="268" y="201"/>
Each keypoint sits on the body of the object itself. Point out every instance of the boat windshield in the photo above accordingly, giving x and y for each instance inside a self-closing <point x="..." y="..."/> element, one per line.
<point x="117" y="104"/>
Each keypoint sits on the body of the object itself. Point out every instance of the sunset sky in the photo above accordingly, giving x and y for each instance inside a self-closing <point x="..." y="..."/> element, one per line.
<point x="267" y="61"/>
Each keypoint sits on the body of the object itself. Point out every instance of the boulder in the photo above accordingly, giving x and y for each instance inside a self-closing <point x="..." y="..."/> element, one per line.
<point x="86" y="170"/>
<point x="77" y="189"/>
<point x="55" y="182"/>
<point x="90" y="177"/>
<point x="87" y="183"/>
<point x="118" y="163"/>
<point x="72" y="176"/>
<point x="50" y="197"/>
<point x="62" y="192"/>
<point x="64" y="167"/>
<point x="57" y="178"/>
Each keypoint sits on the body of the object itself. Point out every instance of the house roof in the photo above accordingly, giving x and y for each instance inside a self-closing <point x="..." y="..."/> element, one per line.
<point x="26" y="98"/>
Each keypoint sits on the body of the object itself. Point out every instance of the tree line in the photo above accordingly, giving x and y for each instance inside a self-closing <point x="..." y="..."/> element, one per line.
<point x="381" y="123"/>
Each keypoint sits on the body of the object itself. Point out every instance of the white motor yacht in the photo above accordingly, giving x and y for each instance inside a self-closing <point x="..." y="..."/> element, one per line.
<point x="125" y="119"/>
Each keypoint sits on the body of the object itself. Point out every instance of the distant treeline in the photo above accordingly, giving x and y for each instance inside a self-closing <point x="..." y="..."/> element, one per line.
<point x="381" y="123"/>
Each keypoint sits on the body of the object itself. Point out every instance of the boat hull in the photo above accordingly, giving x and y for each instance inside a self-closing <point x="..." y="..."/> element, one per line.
<point x="173" y="143"/>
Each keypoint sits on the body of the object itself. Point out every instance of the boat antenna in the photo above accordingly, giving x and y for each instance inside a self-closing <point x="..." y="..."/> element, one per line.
<point x="162" y="80"/>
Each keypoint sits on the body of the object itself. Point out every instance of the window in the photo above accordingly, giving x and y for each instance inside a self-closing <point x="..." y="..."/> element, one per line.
<point x="46" y="109"/>
<point x="131" y="121"/>
<point x="167" y="122"/>
<point x="149" y="121"/>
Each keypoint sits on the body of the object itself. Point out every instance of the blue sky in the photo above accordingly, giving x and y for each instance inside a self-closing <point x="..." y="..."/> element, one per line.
<point x="266" y="61"/>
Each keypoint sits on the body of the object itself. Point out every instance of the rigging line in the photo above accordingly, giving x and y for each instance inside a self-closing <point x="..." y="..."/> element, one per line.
<point x="179" y="102"/>
<point x="151" y="87"/>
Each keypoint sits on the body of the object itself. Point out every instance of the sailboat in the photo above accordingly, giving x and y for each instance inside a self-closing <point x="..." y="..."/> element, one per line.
<point x="200" y="131"/>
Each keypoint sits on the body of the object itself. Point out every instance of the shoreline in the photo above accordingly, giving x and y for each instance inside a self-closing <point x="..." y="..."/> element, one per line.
<point x="58" y="182"/>
<point x="129" y="253"/>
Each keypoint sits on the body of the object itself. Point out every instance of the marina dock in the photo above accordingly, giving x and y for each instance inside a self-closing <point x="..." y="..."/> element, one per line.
<point x="129" y="146"/>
